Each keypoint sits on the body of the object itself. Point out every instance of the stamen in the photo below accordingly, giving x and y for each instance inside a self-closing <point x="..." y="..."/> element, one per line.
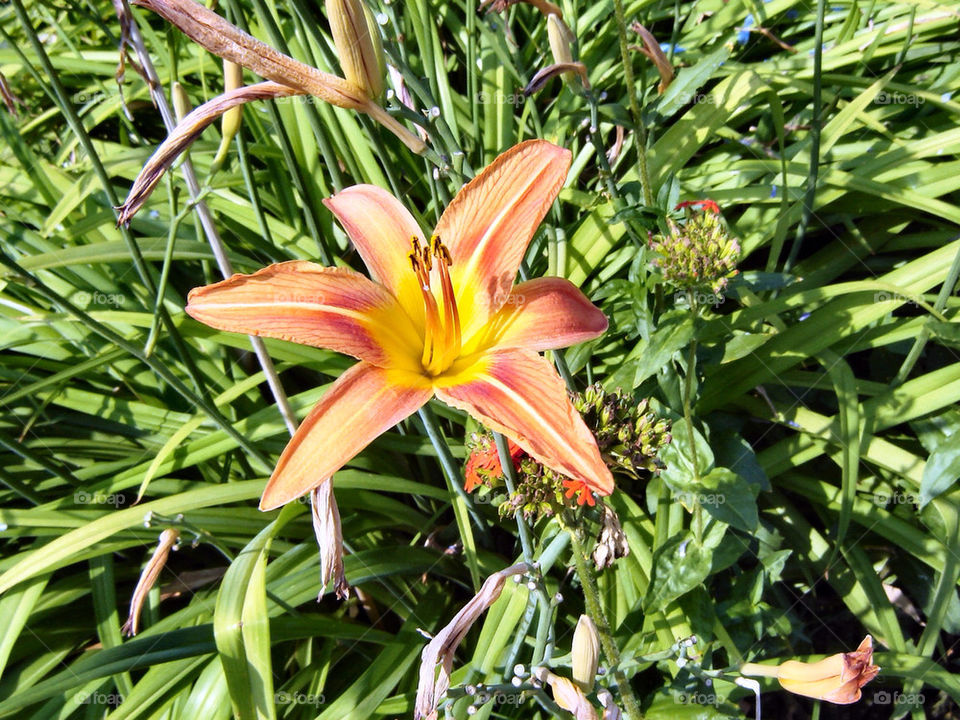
<point x="441" y="338"/>
<point x="451" y="315"/>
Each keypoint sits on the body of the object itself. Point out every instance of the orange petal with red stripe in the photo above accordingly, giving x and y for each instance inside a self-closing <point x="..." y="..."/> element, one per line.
<point x="380" y="228"/>
<point x="490" y="222"/>
<point x="333" y="308"/>
<point x="363" y="403"/>
<point x="544" y="314"/>
<point x="519" y="394"/>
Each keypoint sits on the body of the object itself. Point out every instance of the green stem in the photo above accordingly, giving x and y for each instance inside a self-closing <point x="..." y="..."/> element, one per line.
<point x="543" y="626"/>
<point x="640" y="133"/>
<point x="688" y="419"/>
<point x="591" y="596"/>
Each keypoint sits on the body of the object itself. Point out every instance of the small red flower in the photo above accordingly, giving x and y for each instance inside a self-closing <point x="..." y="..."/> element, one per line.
<point x="705" y="205"/>
<point x="580" y="489"/>
<point x="484" y="463"/>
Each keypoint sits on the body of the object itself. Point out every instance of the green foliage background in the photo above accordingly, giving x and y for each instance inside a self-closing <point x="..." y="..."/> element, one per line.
<point x="823" y="385"/>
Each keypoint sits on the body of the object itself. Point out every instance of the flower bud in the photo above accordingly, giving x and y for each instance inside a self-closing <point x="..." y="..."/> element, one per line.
<point x="561" y="39"/>
<point x="181" y="103"/>
<point x="586" y="653"/>
<point x="230" y="122"/>
<point x="357" y="37"/>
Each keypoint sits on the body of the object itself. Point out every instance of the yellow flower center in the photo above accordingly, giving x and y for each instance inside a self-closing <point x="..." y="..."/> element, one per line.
<point x="441" y="336"/>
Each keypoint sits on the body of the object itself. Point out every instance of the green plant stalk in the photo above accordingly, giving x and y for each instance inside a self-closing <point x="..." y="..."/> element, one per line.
<point x="688" y="419"/>
<point x="640" y="134"/>
<point x="591" y="596"/>
<point x="543" y="626"/>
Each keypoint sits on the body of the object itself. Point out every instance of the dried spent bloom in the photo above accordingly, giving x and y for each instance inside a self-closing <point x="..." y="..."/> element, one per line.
<point x="440" y="650"/>
<point x="326" y="528"/>
<point x="836" y="679"/>
<point x="168" y="538"/>
<point x="586" y="653"/>
<point x="567" y="695"/>
<point x="544" y="6"/>
<point x="612" y="542"/>
<point x="651" y="48"/>
<point x="699" y="253"/>
<point x="565" y="69"/>
<point x="628" y="434"/>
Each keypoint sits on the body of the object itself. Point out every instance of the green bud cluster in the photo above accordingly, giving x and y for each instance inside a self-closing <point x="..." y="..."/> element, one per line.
<point x="628" y="433"/>
<point x="699" y="253"/>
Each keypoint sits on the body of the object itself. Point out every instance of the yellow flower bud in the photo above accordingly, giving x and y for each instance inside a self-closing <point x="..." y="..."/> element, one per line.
<point x="230" y="122"/>
<point x="586" y="653"/>
<point x="181" y="103"/>
<point x="561" y="39"/>
<point x="357" y="37"/>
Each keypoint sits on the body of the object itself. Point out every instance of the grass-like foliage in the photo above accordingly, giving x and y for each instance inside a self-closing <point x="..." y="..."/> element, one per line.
<point x="775" y="394"/>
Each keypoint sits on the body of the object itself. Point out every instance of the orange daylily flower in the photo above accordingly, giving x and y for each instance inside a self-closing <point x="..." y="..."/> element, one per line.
<point x="440" y="317"/>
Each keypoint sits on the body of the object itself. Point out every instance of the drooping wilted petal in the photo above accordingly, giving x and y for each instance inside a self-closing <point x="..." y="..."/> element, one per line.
<point x="538" y="81"/>
<point x="544" y="6"/>
<point x="326" y="527"/>
<point x="185" y="133"/>
<point x="567" y="695"/>
<point x="168" y="538"/>
<point x="651" y="48"/>
<point x="227" y="41"/>
<point x="441" y="648"/>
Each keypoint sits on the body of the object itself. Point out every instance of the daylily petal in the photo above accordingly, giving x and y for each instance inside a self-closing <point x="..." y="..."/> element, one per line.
<point x="543" y="314"/>
<point x="380" y="228"/>
<point x="363" y="403"/>
<point x="333" y="308"/>
<point x="490" y="222"/>
<point x="519" y="394"/>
